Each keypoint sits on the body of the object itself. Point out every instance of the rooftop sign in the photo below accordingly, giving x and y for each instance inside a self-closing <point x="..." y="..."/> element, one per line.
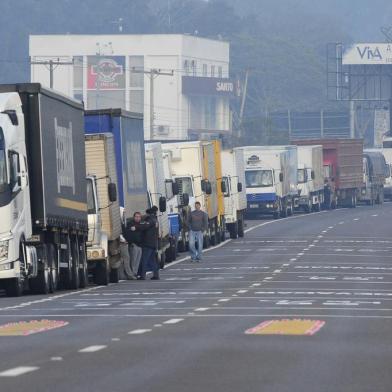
<point x="368" y="54"/>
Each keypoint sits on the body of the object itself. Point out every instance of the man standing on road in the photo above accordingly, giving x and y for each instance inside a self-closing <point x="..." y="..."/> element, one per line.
<point x="150" y="230"/>
<point x="134" y="239"/>
<point x="198" y="224"/>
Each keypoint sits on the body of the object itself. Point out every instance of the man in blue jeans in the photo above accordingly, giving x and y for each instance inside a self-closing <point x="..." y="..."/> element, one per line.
<point x="198" y="224"/>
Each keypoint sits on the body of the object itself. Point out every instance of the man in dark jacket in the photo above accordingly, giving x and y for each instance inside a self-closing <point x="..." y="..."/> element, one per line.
<point x="149" y="229"/>
<point x="134" y="238"/>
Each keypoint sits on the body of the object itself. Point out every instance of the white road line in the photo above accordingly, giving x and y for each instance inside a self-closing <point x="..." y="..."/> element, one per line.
<point x="139" y="331"/>
<point x="355" y="219"/>
<point x="242" y="291"/>
<point x="224" y="300"/>
<point x="340" y="223"/>
<point x="375" y="215"/>
<point x="56" y="358"/>
<point x="18" y="371"/>
<point x="116" y="339"/>
<point x="201" y="309"/>
<point x="92" y="349"/>
<point x="173" y="321"/>
<point x="293" y="259"/>
<point x="277" y="271"/>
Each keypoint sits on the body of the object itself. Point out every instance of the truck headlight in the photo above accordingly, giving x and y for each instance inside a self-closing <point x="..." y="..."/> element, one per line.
<point x="6" y="266"/>
<point x="4" y="249"/>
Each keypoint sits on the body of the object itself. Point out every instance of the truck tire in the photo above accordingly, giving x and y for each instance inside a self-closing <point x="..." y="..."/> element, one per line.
<point x="162" y="260"/>
<point x="75" y="277"/>
<point x="233" y="229"/>
<point x="181" y="245"/>
<point x="14" y="287"/>
<point x="317" y="207"/>
<point x="206" y="242"/>
<point x="114" y="275"/>
<point x="83" y="264"/>
<point x="291" y="209"/>
<point x="308" y="207"/>
<point x="283" y="210"/>
<point x="101" y="273"/>
<point x="41" y="283"/>
<point x="241" y="228"/>
<point x="53" y="267"/>
<point x="66" y="273"/>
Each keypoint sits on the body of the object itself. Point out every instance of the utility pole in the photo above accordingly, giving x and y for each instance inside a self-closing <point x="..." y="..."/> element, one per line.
<point x="153" y="73"/>
<point x="243" y="99"/>
<point x="52" y="66"/>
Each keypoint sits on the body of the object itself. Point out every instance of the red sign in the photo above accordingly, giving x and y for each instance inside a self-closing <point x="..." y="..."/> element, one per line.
<point x="106" y="73"/>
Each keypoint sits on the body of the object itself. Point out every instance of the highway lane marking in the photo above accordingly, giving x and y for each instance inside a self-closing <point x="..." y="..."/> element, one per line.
<point x="224" y="300"/>
<point x="116" y="339"/>
<point x="356" y="219"/>
<point x="293" y="259"/>
<point x="18" y="371"/>
<point x="201" y="309"/>
<point x="341" y="223"/>
<point x="56" y="359"/>
<point x="92" y="349"/>
<point x="242" y="291"/>
<point x="139" y="331"/>
<point x="375" y="215"/>
<point x="173" y="321"/>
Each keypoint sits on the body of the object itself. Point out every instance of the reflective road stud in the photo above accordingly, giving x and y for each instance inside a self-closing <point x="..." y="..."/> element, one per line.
<point x="287" y="327"/>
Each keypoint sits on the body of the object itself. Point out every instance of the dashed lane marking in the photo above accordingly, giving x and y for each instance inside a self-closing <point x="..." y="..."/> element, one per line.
<point x="92" y="349"/>
<point x="173" y="321"/>
<point x="201" y="309"/>
<point x="139" y="331"/>
<point x="18" y="371"/>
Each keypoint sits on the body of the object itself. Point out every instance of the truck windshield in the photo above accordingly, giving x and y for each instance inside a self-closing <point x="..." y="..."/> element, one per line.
<point x="90" y="197"/>
<point x="258" y="178"/>
<point x="3" y="165"/>
<point x="302" y="176"/>
<point x="185" y="185"/>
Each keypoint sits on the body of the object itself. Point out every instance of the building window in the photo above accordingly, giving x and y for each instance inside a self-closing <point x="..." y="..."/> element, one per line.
<point x="136" y="84"/>
<point x="186" y="67"/>
<point x="136" y="79"/>
<point x="205" y="70"/>
<point x="220" y="72"/>
<point x="194" y="67"/>
<point x="78" y="77"/>
<point x="212" y="71"/>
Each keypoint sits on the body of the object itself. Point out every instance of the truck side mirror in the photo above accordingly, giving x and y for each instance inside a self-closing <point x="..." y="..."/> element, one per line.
<point x="208" y="188"/>
<point x="175" y="188"/>
<point x="281" y="177"/>
<point x="162" y="204"/>
<point x="112" y="192"/>
<point x="185" y="199"/>
<point x="312" y="175"/>
<point x="239" y="187"/>
<point x="223" y="187"/>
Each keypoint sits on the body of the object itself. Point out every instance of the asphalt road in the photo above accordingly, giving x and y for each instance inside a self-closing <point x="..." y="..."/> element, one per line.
<point x="186" y="332"/>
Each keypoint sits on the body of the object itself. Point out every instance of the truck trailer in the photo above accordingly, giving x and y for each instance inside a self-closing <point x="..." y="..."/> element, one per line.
<point x="43" y="203"/>
<point x="233" y="171"/>
<point x="343" y="167"/>
<point x="104" y="220"/>
<point x="127" y="130"/>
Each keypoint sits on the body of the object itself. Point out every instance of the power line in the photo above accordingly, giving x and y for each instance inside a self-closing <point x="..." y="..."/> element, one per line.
<point x="52" y="66"/>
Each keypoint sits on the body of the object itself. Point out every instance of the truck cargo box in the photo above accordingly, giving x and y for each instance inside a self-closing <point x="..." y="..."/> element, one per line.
<point x="56" y="158"/>
<point x="312" y="157"/>
<point x="127" y="129"/>
<point x="101" y="163"/>
<point x="344" y="158"/>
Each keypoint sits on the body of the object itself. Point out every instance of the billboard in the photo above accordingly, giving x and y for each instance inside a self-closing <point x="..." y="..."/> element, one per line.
<point x="368" y="54"/>
<point x="194" y="85"/>
<point x="105" y="73"/>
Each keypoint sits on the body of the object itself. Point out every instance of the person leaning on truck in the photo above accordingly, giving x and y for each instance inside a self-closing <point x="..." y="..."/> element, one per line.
<point x="149" y="228"/>
<point x="134" y="238"/>
<point x="198" y="224"/>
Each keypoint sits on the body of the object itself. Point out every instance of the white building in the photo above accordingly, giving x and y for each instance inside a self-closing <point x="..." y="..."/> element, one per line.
<point x="112" y="71"/>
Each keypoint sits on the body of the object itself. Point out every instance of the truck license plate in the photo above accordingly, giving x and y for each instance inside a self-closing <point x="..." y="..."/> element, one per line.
<point x="254" y="206"/>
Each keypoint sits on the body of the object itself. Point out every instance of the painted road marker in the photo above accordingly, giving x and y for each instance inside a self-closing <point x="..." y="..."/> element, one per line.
<point x="25" y="328"/>
<point x="18" y="371"/>
<point x="287" y="327"/>
<point x="173" y="321"/>
<point x="92" y="349"/>
<point x="139" y="331"/>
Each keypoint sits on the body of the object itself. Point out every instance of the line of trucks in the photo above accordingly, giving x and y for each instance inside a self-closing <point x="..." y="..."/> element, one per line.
<point x="70" y="179"/>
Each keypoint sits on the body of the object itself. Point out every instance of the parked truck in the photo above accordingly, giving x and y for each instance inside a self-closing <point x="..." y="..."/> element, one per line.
<point x="233" y="171"/>
<point x="43" y="203"/>
<point x="156" y="185"/>
<point x="310" y="178"/>
<point x="387" y="152"/>
<point x="103" y="246"/>
<point x="271" y="179"/>
<point x="195" y="183"/>
<point x="127" y="130"/>
<point x="343" y="166"/>
<point x="375" y="171"/>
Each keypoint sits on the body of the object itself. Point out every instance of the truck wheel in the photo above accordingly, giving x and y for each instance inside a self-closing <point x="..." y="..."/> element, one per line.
<point x="291" y="209"/>
<point x="53" y="268"/>
<point x="14" y="287"/>
<point x="234" y="230"/>
<point x="83" y="271"/>
<point x="114" y="275"/>
<point x="308" y="207"/>
<point x="241" y="228"/>
<point x="213" y="239"/>
<point x="41" y="283"/>
<point x="283" y="211"/>
<point x="162" y="260"/>
<point x="206" y="242"/>
<point x="75" y="277"/>
<point x="101" y="273"/>
<point x="317" y="207"/>
<point x="181" y="245"/>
